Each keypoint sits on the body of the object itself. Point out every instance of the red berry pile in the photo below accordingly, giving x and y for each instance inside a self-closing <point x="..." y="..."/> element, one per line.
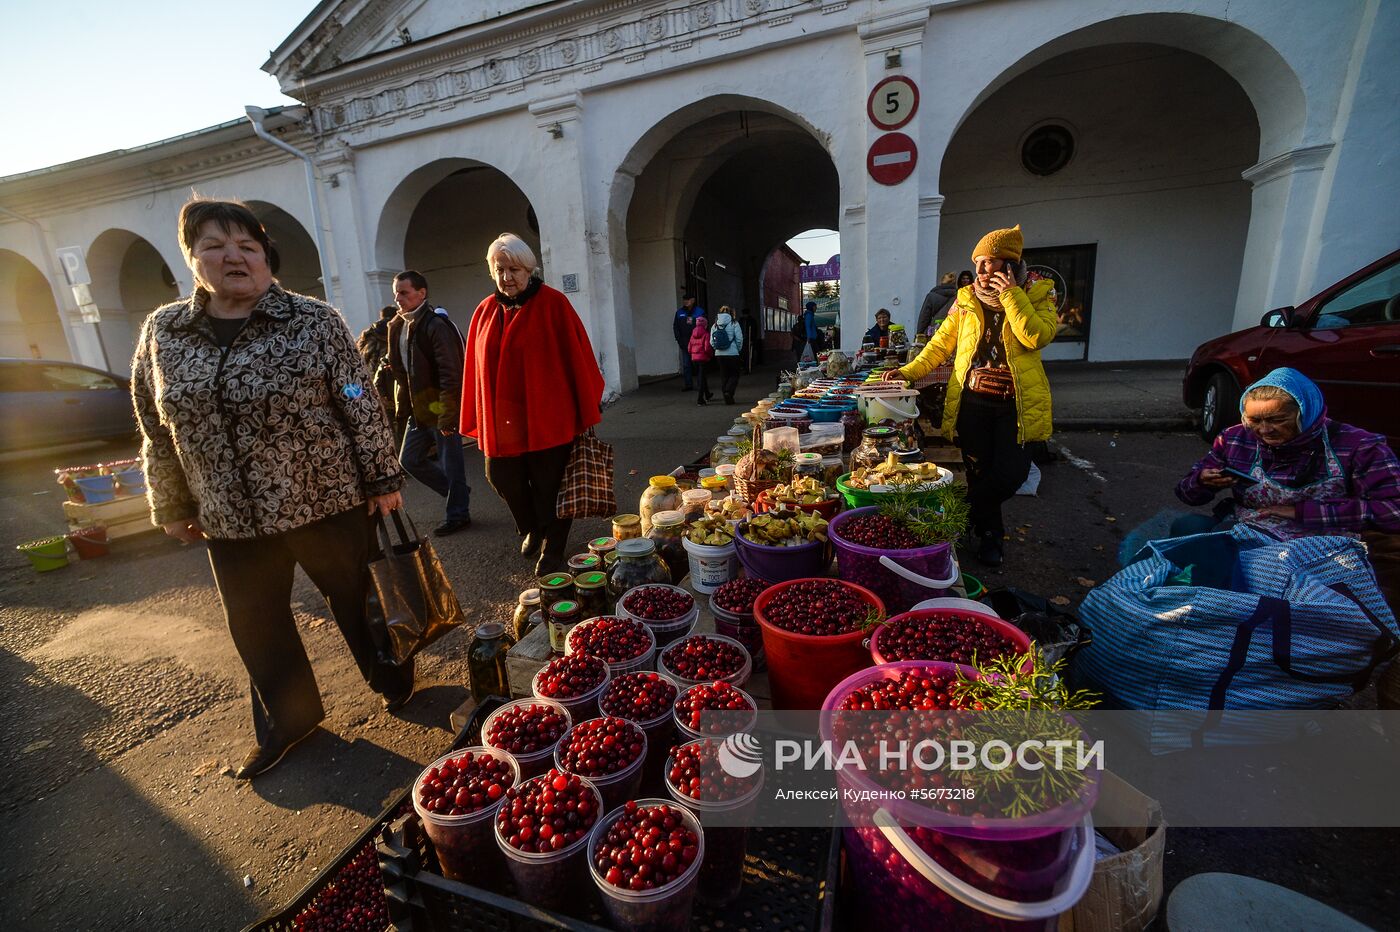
<point x="465" y="784"/>
<point x="913" y="690"/>
<point x="658" y="603"/>
<point x="547" y="813"/>
<point x="696" y="772"/>
<point x="880" y="532"/>
<point x="609" y="638"/>
<point x="570" y="676"/>
<point x="647" y="847"/>
<point x="640" y="697"/>
<point x="701" y="657"/>
<point x="954" y="638"/>
<point x="819" y="606"/>
<point x="737" y="595"/>
<point x="355" y="901"/>
<point x="601" y="746"/>
<point x="714" y="709"/>
<point x="524" y="729"/>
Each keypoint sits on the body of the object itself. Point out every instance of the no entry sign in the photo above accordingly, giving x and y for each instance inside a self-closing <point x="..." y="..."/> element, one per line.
<point x="892" y="158"/>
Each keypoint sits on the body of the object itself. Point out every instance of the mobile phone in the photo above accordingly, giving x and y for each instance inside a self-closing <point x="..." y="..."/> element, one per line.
<point x="1240" y="476"/>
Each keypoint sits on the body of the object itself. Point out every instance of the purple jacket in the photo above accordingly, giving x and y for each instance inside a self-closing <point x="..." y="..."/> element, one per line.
<point x="1370" y="466"/>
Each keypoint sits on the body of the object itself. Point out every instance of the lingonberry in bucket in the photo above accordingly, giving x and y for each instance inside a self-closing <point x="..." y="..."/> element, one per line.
<point x="547" y="813"/>
<point x="526" y="729"/>
<point x="646" y="847"/>
<point x="953" y="638"/>
<point x="658" y="603"/>
<point x="601" y="746"/>
<point x="610" y="638"/>
<point x="639" y="697"/>
<point x="699" y="657"/>
<point x="737" y="595"/>
<point x="695" y="771"/>
<point x="714" y="709"/>
<point x="465" y="784"/>
<point x="819" y="607"/>
<point x="571" y="676"/>
<point x="881" y="533"/>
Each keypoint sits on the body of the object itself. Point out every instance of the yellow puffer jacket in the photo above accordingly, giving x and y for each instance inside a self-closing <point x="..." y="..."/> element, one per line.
<point x="1030" y="327"/>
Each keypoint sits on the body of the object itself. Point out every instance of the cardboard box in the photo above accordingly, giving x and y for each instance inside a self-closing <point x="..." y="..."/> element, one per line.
<point x="1126" y="891"/>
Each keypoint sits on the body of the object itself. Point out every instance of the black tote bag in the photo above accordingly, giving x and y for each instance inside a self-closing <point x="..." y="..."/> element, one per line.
<point x="416" y="604"/>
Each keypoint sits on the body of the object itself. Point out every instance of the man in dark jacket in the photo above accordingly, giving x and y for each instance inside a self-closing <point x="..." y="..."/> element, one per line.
<point x="936" y="302"/>
<point x="425" y="356"/>
<point x="681" y="326"/>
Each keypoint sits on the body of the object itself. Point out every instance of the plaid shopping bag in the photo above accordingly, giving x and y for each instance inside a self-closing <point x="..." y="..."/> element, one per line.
<point x="587" y="489"/>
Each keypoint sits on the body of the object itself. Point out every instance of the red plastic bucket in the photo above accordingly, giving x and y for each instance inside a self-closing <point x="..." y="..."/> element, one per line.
<point x="89" y="542"/>
<point x="1007" y="630"/>
<point x="913" y="866"/>
<point x="802" y="668"/>
<point x="900" y="578"/>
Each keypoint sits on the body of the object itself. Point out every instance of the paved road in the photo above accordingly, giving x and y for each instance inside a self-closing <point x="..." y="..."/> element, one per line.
<point x="124" y="704"/>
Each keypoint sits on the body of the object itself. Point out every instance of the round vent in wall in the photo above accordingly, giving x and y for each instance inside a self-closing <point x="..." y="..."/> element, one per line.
<point x="1047" y="149"/>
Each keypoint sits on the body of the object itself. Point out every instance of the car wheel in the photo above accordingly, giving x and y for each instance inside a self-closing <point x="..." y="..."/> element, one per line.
<point x="1220" y="406"/>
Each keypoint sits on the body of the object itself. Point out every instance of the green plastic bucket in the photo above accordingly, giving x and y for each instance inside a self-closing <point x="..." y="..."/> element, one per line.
<point x="50" y="553"/>
<point x="975" y="589"/>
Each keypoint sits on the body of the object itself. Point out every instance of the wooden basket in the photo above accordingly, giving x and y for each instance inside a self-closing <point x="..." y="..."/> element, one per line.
<point x="750" y="489"/>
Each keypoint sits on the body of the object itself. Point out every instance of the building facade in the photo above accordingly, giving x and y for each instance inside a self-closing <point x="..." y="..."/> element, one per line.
<point x="1182" y="166"/>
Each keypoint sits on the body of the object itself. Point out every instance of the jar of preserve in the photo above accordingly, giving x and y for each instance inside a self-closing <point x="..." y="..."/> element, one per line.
<point x="853" y="425"/>
<point x="563" y="615"/>
<point x="662" y="494"/>
<point x="554" y="587"/>
<point x="626" y="527"/>
<point x="600" y="547"/>
<point x="668" y="533"/>
<point x="486" y="661"/>
<point x="876" y="444"/>
<point x="637" y="565"/>
<point x="693" y="502"/>
<point x="807" y="464"/>
<point x="584" y="563"/>
<point x="593" y="594"/>
<point x="525" y="606"/>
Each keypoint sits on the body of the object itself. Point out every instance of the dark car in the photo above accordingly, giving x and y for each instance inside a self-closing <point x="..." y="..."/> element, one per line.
<point x="1346" y="339"/>
<point x="45" y="402"/>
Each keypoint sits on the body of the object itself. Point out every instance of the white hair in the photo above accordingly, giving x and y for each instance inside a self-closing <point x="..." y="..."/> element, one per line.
<point x="513" y="248"/>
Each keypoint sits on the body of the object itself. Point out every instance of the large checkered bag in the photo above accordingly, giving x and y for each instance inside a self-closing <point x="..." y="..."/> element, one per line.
<point x="1237" y="620"/>
<point x="587" y="489"/>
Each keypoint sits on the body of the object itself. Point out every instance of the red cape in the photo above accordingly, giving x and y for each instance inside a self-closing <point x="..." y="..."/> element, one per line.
<point x="531" y="380"/>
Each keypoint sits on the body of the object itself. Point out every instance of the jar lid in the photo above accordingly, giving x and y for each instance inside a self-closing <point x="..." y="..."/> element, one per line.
<point x="725" y="470"/>
<point x="556" y="581"/>
<point x="563" y="607"/>
<point x="879" y="433"/>
<point x="636" y="547"/>
<point x="714" y="483"/>
<point x="584" y="561"/>
<point x="806" y="459"/>
<point x="707" y="473"/>
<point x="695" y="495"/>
<point x="669" y="518"/>
<point x="629" y="519"/>
<point x="530" y="597"/>
<point x="490" y="630"/>
<point x="592" y="580"/>
<point x="663" y="482"/>
<point x="603" y="543"/>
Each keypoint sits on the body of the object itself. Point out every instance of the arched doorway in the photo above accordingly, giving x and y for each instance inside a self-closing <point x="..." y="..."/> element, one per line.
<point x="440" y="220"/>
<point x="719" y="186"/>
<point x="29" y="322"/>
<point x="298" y="263"/>
<point x="129" y="280"/>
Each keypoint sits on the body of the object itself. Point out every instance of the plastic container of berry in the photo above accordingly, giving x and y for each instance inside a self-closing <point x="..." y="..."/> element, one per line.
<point x="625" y="644"/>
<point x="616" y="786"/>
<point x="724" y="803"/>
<point x="675" y="611"/>
<point x="732" y="608"/>
<point x="555" y="878"/>
<point x="648" y="699"/>
<point x="714" y="710"/>
<point x="516" y="729"/>
<point x="458" y="818"/>
<point x="667" y="907"/>
<point x="952" y="635"/>
<point x="705" y="658"/>
<point x="575" y="682"/>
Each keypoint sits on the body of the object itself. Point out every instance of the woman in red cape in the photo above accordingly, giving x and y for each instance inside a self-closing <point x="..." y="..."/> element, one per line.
<point x="531" y="385"/>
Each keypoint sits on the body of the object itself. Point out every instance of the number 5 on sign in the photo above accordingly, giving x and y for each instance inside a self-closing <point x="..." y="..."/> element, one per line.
<point x="893" y="102"/>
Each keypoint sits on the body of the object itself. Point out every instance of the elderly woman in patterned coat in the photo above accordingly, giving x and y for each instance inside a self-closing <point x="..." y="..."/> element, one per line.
<point x="262" y="434"/>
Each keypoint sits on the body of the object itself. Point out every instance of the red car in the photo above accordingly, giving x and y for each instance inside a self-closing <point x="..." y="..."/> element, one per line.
<point x="1346" y="339"/>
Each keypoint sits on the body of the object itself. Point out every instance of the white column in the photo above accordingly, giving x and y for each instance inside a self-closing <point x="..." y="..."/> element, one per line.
<point x="360" y="295"/>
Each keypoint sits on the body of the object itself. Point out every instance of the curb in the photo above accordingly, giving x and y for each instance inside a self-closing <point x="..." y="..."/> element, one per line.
<point x="1125" y="425"/>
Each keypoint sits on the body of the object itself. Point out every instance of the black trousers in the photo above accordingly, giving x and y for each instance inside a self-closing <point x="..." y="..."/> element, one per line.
<point x="702" y="377"/>
<point x="729" y="372"/>
<point x="996" y="464"/>
<point x="254" y="579"/>
<point x="529" y="485"/>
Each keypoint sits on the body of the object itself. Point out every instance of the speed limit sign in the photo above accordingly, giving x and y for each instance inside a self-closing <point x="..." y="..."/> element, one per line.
<point x="893" y="102"/>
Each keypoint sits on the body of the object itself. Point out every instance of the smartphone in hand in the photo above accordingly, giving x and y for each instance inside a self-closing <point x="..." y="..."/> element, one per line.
<point x="1240" y="476"/>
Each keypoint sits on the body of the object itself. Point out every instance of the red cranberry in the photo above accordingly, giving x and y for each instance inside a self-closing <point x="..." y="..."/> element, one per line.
<point x="658" y="603"/>
<point x="880" y="532"/>
<point x="695" y="771"/>
<point x="913" y="690"/>
<point x="737" y="595"/>
<point x="547" y="813"/>
<point x="526" y="728"/>
<point x="461" y="785"/>
<point x="714" y="709"/>
<point x="704" y="657"/>
<point x="949" y="637"/>
<point x="820" y="607"/>
<point x="646" y="847"/>
<point x="601" y="746"/>
<point x="570" y="676"/>
<point x="639" y="697"/>
<point x="615" y="640"/>
<point x="355" y="900"/>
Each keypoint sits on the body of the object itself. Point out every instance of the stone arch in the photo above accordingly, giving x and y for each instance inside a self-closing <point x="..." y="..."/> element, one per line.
<point x="130" y="279"/>
<point x="30" y="325"/>
<point x="299" y="263"/>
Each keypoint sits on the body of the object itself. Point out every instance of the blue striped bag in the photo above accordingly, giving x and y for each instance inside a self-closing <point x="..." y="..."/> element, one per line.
<point x="1231" y="620"/>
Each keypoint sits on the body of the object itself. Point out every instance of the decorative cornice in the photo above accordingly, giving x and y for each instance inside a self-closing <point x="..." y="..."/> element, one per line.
<point x="930" y="205"/>
<point x="1285" y="164"/>
<point x="897" y="29"/>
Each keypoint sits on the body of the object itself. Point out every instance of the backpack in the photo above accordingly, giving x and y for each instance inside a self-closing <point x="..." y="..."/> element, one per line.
<point x="720" y="338"/>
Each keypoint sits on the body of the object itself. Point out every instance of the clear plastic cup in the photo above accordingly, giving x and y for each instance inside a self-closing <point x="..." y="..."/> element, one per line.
<point x="463" y="842"/>
<point x="737" y="678"/>
<point x="556" y="880"/>
<point x="582" y="707"/>
<point x="664" y="909"/>
<point x="660" y="732"/>
<point x="642" y="661"/>
<point x="717" y="724"/>
<point x="726" y="836"/>
<point x="665" y="630"/>
<point x="532" y="763"/>
<point x="617" y="787"/>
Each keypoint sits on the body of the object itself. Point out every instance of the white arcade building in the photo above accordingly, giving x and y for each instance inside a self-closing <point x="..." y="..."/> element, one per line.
<point x="1183" y="165"/>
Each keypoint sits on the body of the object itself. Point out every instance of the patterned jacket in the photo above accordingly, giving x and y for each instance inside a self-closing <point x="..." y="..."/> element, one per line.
<point x="279" y="430"/>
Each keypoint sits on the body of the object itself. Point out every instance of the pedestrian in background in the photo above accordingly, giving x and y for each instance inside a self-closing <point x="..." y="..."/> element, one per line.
<point x="425" y="356"/>
<point x="728" y="341"/>
<point x="999" y="398"/>
<point x="681" y="326"/>
<point x="530" y="387"/>
<point x="261" y="434"/>
<point x="936" y="303"/>
<point x="373" y="345"/>
<point x="701" y="352"/>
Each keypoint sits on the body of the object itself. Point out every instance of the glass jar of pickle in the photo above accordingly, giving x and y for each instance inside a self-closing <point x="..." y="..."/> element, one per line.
<point x="626" y="527"/>
<point x="554" y="587"/>
<point x="716" y="485"/>
<point x="637" y="565"/>
<point x="593" y="594"/>
<point x="668" y="533"/>
<point x="717" y="451"/>
<point x="486" y="661"/>
<point x="876" y="444"/>
<point x="693" y="502"/>
<point x="525" y="606"/>
<point x="662" y="494"/>
<point x="807" y="464"/>
<point x="600" y="547"/>
<point x="563" y="615"/>
<point x="728" y="456"/>
<point x="584" y="563"/>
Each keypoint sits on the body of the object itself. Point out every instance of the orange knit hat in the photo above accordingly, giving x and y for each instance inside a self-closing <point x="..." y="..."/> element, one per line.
<point x="1000" y="244"/>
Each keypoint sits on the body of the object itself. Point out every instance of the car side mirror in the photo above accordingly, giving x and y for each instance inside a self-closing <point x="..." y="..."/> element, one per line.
<point x="1278" y="317"/>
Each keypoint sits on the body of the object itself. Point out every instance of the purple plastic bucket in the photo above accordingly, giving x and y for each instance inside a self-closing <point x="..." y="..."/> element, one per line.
<point x="779" y="564"/>
<point x="860" y="564"/>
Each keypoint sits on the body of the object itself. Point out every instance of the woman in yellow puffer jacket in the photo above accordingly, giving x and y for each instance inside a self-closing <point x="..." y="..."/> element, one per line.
<point x="999" y="398"/>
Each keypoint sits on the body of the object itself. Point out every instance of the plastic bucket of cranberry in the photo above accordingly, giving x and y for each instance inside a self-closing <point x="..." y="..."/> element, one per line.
<point x="456" y="798"/>
<point x="724" y="805"/>
<point x="946" y="864"/>
<point x="732" y="606"/>
<point x="645" y="858"/>
<point x="705" y="658"/>
<point x="814" y="633"/>
<point x="543" y="828"/>
<point x="669" y="611"/>
<point x="952" y="635"/>
<point x="878" y="553"/>
<point x="609" y="751"/>
<point x="714" y="710"/>
<point x="529" y="730"/>
<point x="648" y="699"/>
<point x="624" y="644"/>
<point x="575" y="681"/>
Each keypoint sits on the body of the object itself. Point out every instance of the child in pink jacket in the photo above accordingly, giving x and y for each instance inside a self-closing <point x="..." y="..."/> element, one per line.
<point x="701" y="352"/>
